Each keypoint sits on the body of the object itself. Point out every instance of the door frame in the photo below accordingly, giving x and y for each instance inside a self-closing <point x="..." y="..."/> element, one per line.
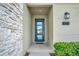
<point x="33" y="27"/>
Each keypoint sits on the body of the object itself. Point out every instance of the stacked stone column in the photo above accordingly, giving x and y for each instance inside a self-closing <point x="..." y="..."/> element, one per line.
<point x="11" y="29"/>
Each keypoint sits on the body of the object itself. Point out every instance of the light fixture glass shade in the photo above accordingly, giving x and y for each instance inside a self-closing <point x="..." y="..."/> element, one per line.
<point x="66" y="15"/>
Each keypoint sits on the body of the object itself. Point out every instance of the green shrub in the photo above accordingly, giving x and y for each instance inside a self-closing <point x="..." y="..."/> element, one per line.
<point x="66" y="48"/>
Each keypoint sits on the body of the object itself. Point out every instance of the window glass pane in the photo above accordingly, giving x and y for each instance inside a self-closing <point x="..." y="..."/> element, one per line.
<point x="39" y="23"/>
<point x="39" y="36"/>
<point x="39" y="31"/>
<point x="39" y="27"/>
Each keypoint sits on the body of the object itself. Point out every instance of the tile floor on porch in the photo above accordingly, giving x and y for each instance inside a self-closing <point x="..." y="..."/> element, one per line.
<point x="40" y="50"/>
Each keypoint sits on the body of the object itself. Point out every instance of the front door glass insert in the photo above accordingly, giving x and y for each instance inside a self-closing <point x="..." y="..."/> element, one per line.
<point x="39" y="30"/>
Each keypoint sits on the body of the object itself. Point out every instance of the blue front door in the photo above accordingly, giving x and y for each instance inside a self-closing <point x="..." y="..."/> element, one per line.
<point x="39" y="31"/>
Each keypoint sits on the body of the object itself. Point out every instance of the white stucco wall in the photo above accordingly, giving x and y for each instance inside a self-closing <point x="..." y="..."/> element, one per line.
<point x="50" y="26"/>
<point x="27" y="38"/>
<point x="63" y="32"/>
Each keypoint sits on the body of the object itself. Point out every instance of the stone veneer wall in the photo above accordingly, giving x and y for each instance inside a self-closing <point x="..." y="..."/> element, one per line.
<point x="11" y="29"/>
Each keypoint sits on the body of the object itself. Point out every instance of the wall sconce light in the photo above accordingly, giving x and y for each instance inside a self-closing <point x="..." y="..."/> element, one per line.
<point x="66" y="15"/>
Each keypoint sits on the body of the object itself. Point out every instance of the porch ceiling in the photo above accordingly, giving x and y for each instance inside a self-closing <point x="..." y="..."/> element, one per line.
<point x="39" y="9"/>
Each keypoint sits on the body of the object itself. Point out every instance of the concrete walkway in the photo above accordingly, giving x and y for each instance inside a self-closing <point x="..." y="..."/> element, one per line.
<point x="39" y="50"/>
<point x="39" y="54"/>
